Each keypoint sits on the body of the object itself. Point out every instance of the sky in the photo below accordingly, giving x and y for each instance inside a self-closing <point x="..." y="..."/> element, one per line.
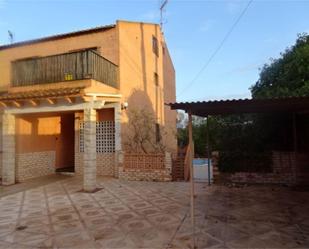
<point x="194" y="29"/>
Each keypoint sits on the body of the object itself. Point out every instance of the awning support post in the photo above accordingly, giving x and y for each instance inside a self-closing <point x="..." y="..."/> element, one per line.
<point x="295" y="142"/>
<point x="191" y="178"/>
<point x="208" y="151"/>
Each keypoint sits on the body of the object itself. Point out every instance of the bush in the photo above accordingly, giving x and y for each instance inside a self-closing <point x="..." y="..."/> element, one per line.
<point x="240" y="161"/>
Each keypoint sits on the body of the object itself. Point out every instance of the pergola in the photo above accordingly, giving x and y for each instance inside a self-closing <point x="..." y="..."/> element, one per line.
<point x="288" y="105"/>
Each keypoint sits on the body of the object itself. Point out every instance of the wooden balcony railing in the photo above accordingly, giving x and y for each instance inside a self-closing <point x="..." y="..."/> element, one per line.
<point x="64" y="67"/>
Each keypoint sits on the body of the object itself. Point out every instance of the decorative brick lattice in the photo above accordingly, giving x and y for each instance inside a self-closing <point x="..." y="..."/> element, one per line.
<point x="144" y="162"/>
<point x="105" y="137"/>
<point x="81" y="136"/>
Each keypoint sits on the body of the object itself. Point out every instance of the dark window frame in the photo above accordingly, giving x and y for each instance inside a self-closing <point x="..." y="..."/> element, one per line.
<point x="155" y="46"/>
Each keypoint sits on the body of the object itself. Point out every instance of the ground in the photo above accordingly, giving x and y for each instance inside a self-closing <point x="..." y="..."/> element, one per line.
<point x="151" y="215"/>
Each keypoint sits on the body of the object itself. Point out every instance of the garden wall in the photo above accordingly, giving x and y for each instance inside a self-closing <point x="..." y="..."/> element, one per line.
<point x="145" y="167"/>
<point x="285" y="170"/>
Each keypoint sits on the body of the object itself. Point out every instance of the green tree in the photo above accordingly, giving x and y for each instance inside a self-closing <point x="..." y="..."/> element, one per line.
<point x="287" y="75"/>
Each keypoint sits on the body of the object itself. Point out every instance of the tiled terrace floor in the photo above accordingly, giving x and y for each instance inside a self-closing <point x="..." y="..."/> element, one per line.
<point x="153" y="215"/>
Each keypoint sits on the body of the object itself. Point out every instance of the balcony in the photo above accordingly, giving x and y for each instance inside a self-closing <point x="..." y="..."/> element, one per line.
<point x="79" y="65"/>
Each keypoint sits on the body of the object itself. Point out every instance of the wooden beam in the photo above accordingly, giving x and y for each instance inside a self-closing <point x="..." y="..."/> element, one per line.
<point x="33" y="102"/>
<point x="85" y="98"/>
<point x="3" y="104"/>
<point x="69" y="99"/>
<point x="51" y="101"/>
<point x="16" y="103"/>
<point x="191" y="149"/>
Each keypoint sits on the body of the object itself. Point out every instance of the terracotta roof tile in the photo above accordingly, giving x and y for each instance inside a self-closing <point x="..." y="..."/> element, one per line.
<point x="59" y="92"/>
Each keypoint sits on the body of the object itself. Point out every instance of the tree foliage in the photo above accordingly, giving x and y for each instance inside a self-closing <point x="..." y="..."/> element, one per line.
<point x="287" y="75"/>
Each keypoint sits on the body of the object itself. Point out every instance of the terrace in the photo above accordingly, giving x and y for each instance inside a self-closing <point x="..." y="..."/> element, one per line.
<point x="80" y="65"/>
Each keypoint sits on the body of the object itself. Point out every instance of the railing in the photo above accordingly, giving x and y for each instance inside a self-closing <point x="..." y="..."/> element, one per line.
<point x="64" y="67"/>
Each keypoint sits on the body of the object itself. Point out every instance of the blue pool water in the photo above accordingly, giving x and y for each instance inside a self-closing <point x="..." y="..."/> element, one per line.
<point x="200" y="161"/>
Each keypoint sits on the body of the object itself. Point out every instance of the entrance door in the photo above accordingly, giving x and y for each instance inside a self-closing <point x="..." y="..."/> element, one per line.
<point x="65" y="144"/>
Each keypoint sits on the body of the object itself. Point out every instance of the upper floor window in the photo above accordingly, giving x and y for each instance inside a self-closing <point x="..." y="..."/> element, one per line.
<point x="155" y="46"/>
<point x="156" y="79"/>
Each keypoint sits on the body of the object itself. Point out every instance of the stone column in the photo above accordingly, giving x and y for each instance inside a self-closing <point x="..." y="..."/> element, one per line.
<point x="8" y="149"/>
<point x="90" y="154"/>
<point x="118" y="149"/>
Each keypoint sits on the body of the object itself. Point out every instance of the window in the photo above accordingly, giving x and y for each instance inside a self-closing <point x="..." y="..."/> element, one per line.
<point x="155" y="46"/>
<point x="158" y="134"/>
<point x="156" y="79"/>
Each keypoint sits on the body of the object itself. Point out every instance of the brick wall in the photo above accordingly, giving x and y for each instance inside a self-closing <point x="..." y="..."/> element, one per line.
<point x="285" y="170"/>
<point x="139" y="167"/>
<point x="36" y="164"/>
<point x="106" y="165"/>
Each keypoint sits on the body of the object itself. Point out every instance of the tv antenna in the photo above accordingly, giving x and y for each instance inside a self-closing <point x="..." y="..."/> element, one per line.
<point x="11" y="36"/>
<point x="162" y="9"/>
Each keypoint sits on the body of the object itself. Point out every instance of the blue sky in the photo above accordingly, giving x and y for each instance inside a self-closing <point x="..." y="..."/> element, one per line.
<point x="193" y="30"/>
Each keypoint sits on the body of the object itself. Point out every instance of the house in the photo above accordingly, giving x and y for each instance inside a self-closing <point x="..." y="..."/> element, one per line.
<point x="65" y="101"/>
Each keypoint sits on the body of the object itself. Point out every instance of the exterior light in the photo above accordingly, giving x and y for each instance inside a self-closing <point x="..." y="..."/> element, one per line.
<point x="124" y="106"/>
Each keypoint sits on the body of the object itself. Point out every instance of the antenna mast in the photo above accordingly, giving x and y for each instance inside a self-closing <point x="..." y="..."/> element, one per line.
<point x="163" y="5"/>
<point x="11" y="36"/>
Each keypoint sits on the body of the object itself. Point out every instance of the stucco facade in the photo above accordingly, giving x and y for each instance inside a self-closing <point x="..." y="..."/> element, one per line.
<point x="59" y="123"/>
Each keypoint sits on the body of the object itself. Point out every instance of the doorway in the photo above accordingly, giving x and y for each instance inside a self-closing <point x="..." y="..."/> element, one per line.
<point x="65" y="144"/>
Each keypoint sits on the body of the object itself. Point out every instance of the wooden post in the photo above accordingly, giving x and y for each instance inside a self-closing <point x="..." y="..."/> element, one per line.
<point x="208" y="150"/>
<point x="191" y="178"/>
<point x="295" y="142"/>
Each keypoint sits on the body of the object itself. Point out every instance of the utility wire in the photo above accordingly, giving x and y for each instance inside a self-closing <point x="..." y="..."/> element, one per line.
<point x="217" y="49"/>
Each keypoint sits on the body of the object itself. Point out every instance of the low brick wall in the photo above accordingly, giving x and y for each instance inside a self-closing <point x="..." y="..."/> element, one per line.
<point x="35" y="164"/>
<point x="285" y="170"/>
<point x="106" y="164"/>
<point x="145" y="167"/>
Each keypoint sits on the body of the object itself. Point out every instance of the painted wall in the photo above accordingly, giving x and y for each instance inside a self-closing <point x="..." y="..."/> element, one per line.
<point x="138" y="64"/>
<point x="47" y="132"/>
<point x="107" y="114"/>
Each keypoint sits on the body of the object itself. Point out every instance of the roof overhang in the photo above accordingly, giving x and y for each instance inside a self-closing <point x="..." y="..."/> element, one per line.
<point x="59" y="36"/>
<point x="224" y="107"/>
<point x="66" y="93"/>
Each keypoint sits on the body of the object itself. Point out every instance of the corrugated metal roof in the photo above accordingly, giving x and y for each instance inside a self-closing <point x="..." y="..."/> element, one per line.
<point x="59" y="36"/>
<point x="234" y="106"/>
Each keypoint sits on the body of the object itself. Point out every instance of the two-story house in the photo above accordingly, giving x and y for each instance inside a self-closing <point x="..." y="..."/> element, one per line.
<point x="65" y="101"/>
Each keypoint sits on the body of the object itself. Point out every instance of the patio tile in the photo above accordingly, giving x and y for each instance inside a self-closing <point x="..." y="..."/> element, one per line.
<point x="153" y="215"/>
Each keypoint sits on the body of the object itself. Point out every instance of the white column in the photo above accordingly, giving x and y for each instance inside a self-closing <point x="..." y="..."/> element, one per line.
<point x="90" y="166"/>
<point x="118" y="127"/>
<point x="118" y="150"/>
<point x="8" y="149"/>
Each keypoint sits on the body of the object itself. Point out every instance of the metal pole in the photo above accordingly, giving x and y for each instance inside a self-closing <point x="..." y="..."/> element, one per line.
<point x="191" y="179"/>
<point x="208" y="150"/>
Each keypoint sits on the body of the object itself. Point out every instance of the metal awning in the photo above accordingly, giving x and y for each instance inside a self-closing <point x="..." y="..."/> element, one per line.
<point x="223" y="107"/>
